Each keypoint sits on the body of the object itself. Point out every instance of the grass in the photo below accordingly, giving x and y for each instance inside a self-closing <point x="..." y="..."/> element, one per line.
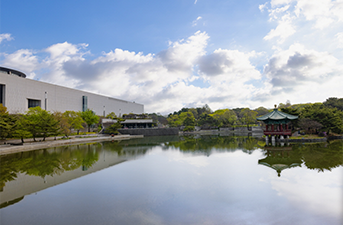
<point x="306" y="136"/>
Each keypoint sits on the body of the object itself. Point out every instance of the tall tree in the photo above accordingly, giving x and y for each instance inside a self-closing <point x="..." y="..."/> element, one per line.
<point x="63" y="124"/>
<point x="7" y="122"/>
<point x="330" y="118"/>
<point x="334" y="103"/>
<point x="74" y="120"/>
<point x="40" y="122"/>
<point x="90" y="118"/>
<point x="21" y="128"/>
<point x="248" y="116"/>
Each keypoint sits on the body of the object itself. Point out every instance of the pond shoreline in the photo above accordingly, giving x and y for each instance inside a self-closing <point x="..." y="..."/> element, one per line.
<point x="30" y="146"/>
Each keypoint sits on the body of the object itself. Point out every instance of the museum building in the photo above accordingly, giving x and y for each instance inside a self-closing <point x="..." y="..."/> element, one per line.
<point x="19" y="93"/>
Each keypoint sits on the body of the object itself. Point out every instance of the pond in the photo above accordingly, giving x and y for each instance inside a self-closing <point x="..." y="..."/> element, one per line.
<point x="174" y="180"/>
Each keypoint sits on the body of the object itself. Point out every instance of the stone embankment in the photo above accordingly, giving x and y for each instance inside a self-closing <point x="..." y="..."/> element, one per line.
<point x="150" y="131"/>
<point x="255" y="131"/>
<point x="14" y="147"/>
<point x="302" y="140"/>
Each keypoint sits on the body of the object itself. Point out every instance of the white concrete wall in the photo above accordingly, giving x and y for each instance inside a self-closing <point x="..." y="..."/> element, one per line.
<point x="19" y="90"/>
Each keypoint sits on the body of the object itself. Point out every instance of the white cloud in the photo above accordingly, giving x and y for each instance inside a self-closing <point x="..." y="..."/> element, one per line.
<point x="282" y="31"/>
<point x="195" y="22"/>
<point x="7" y="37"/>
<point x="339" y="37"/>
<point x="127" y="75"/>
<point x="263" y="6"/>
<point x="300" y="192"/>
<point x="301" y="75"/>
<point x="165" y="79"/>
<point x="320" y="11"/>
<point x="295" y="16"/>
<point x="298" y="64"/>
<point x="25" y="60"/>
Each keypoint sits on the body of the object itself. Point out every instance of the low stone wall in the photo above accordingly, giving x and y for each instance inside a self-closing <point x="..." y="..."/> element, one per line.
<point x="242" y="129"/>
<point x="150" y="131"/>
<point x="334" y="137"/>
<point x="304" y="140"/>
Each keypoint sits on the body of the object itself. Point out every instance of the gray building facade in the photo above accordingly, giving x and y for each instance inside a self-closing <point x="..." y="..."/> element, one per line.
<point x="18" y="94"/>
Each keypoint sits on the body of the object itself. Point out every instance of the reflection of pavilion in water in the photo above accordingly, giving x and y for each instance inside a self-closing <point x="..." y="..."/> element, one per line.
<point x="280" y="158"/>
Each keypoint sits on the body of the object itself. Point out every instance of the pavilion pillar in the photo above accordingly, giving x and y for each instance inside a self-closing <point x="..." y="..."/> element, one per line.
<point x="273" y="140"/>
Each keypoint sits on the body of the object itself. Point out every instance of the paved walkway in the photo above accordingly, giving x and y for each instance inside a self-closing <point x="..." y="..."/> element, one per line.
<point x="50" y="142"/>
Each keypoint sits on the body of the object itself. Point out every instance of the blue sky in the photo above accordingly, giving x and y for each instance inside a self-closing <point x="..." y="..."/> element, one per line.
<point x="181" y="53"/>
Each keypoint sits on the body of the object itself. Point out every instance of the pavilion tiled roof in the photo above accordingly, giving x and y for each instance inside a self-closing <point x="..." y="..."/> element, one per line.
<point x="277" y="115"/>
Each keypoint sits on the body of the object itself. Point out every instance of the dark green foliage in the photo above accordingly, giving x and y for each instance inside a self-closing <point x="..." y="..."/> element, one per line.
<point x="158" y="118"/>
<point x="189" y="128"/>
<point x="7" y="123"/>
<point x="330" y="118"/>
<point x="334" y="103"/>
<point x="261" y="111"/>
<point x="206" y="120"/>
<point x="113" y="129"/>
<point x="291" y="111"/>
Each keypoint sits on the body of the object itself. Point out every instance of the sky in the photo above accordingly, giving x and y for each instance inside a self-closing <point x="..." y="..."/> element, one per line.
<point x="180" y="53"/>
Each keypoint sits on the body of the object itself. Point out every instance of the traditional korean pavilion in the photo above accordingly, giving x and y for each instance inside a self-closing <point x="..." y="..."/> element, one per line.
<point x="277" y="124"/>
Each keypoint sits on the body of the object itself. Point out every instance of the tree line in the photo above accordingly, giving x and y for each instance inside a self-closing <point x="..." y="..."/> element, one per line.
<point x="205" y="118"/>
<point x="37" y="122"/>
<point x="313" y="117"/>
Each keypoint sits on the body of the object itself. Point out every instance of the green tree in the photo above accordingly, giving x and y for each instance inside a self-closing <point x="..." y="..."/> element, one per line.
<point x="111" y="115"/>
<point x="330" y="118"/>
<point x="174" y="120"/>
<point x="74" y="120"/>
<point x="309" y="125"/>
<point x="261" y="111"/>
<point x="248" y="116"/>
<point x="334" y="103"/>
<point x="63" y="124"/>
<point x="7" y="123"/>
<point x="113" y="129"/>
<point x="40" y="122"/>
<point x="21" y="128"/>
<point x="206" y="120"/>
<point x="224" y="117"/>
<point x="90" y="118"/>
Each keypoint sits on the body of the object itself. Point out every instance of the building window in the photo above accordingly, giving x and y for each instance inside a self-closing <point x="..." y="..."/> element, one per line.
<point x="33" y="103"/>
<point x="2" y="94"/>
<point x="84" y="103"/>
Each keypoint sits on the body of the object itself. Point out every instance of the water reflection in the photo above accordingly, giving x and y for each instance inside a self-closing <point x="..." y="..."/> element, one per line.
<point x="280" y="158"/>
<point x="316" y="156"/>
<point x="28" y="172"/>
<point x="207" y="144"/>
<point x="177" y="180"/>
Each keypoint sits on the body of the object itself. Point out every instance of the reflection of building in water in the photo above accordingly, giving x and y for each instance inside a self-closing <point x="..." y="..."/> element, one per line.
<point x="100" y="156"/>
<point x="280" y="158"/>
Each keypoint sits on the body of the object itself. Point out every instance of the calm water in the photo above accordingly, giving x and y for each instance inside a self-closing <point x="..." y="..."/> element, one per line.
<point x="174" y="180"/>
